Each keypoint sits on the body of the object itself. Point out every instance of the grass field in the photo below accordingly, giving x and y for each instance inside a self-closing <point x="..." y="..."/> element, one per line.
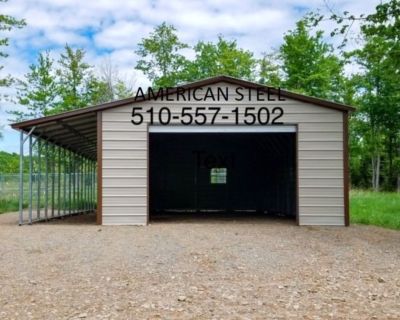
<point x="379" y="209"/>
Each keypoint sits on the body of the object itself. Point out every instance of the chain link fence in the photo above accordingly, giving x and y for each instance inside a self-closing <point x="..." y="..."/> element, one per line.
<point x="9" y="186"/>
<point x="58" y="188"/>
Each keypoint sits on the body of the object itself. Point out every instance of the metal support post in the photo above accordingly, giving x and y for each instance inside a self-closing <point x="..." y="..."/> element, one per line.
<point x="64" y="181"/>
<point x="39" y="178"/>
<point x="46" y="196"/>
<point x="59" y="183"/>
<point x="69" y="183"/>
<point x="21" y="178"/>
<point x="74" y="181"/>
<point x="30" y="179"/>
<point x="53" y="166"/>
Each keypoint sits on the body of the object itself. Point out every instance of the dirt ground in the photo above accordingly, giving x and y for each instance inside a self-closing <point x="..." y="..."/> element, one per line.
<point x="245" y="268"/>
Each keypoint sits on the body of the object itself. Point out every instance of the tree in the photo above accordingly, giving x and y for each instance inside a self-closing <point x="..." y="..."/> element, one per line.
<point x="77" y="86"/>
<point x="9" y="162"/>
<point x="121" y="90"/>
<point x="161" y="59"/>
<point x="376" y="124"/>
<point x="49" y="89"/>
<point x="38" y="92"/>
<point x="221" y="58"/>
<point x="115" y="87"/>
<point x="310" y="65"/>
<point x="270" y="71"/>
<point x="7" y="23"/>
<point x="380" y="89"/>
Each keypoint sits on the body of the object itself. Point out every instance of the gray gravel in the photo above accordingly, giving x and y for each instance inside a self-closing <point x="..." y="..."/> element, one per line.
<point x="197" y="269"/>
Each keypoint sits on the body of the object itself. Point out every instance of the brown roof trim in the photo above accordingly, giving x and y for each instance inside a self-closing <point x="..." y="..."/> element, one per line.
<point x="346" y="172"/>
<point x="192" y="85"/>
<point x="99" y="208"/>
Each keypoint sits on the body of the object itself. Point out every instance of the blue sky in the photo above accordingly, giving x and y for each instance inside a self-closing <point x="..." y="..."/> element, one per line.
<point x="111" y="29"/>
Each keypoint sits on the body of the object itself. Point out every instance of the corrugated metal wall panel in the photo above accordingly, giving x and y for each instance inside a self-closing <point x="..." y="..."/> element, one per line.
<point x="325" y="220"/>
<point x="320" y="191"/>
<point x="320" y="182"/>
<point x="320" y="156"/>
<point x="125" y="200"/>
<point x="135" y="211"/>
<point x="116" y="220"/>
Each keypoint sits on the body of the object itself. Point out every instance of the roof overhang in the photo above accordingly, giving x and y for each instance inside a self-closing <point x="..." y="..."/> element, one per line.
<point x="77" y="134"/>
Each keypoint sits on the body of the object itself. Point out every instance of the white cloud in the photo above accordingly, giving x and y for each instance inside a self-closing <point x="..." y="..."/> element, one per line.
<point x="121" y="34"/>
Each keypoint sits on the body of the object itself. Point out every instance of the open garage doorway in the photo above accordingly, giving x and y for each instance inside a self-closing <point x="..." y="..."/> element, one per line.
<point x="225" y="171"/>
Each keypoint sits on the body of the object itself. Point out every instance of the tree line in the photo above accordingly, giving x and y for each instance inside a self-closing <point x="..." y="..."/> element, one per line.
<point x="305" y="62"/>
<point x="53" y="86"/>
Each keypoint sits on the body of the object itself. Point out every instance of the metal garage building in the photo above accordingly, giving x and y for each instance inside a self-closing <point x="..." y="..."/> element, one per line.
<point x="221" y="144"/>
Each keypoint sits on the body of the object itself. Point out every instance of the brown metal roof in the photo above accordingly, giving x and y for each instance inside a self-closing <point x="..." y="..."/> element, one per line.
<point x="76" y="130"/>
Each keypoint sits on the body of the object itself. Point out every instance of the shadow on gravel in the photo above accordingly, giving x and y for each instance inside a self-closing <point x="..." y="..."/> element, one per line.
<point x="11" y="219"/>
<point x="220" y="217"/>
<point x="79" y="219"/>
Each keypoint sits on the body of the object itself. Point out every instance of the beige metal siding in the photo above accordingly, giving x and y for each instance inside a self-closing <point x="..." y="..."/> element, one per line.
<point x="124" y="170"/>
<point x="320" y="159"/>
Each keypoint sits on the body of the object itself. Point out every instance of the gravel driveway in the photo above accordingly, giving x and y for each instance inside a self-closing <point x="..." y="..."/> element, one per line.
<point x="197" y="269"/>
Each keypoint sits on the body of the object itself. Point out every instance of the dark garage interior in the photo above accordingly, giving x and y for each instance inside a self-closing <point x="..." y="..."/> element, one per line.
<point x="232" y="174"/>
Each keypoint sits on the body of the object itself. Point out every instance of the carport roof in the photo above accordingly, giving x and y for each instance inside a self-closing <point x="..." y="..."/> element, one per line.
<point x="77" y="130"/>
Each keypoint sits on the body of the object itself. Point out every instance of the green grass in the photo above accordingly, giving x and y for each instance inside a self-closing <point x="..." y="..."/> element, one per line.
<point x="9" y="205"/>
<point x="375" y="208"/>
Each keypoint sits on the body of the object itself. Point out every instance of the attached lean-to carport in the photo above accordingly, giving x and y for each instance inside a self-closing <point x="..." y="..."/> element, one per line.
<point x="62" y="164"/>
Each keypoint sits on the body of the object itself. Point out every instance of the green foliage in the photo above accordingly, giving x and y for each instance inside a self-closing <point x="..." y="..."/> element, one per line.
<point x="375" y="127"/>
<point x="161" y="59"/>
<point x="163" y="63"/>
<point x="105" y="92"/>
<point x="7" y="23"/>
<point x="378" y="94"/>
<point x="121" y="91"/>
<point x="310" y="65"/>
<point x="71" y="84"/>
<point x="38" y="91"/>
<point x="77" y="86"/>
<point x="372" y="208"/>
<point x="114" y="87"/>
<point x="221" y="58"/>
<point x="10" y="205"/>
<point x="270" y="71"/>
<point x="9" y="162"/>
